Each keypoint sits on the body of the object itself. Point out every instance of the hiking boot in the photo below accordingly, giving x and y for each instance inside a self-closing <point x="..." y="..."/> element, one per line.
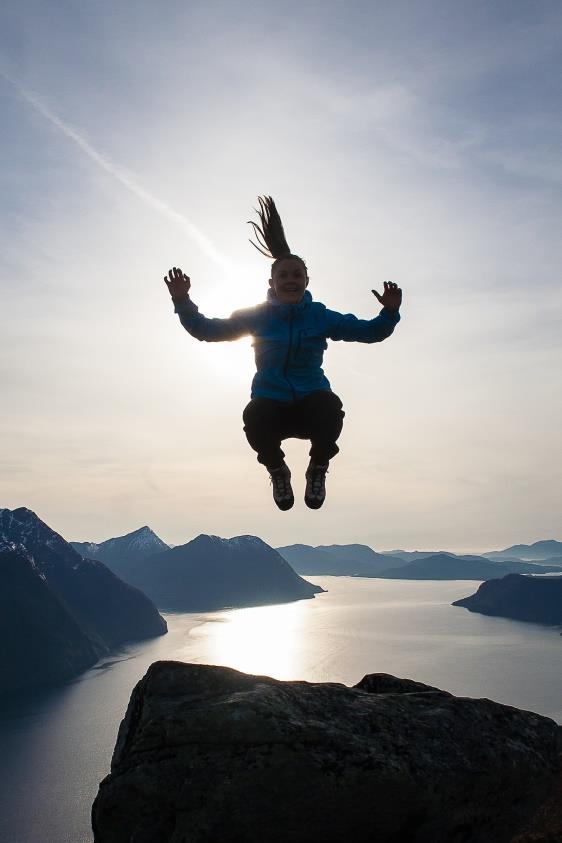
<point x="315" y="485"/>
<point x="281" y="482"/>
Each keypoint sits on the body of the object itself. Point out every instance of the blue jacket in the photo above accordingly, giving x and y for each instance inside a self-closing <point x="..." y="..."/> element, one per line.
<point x="289" y="340"/>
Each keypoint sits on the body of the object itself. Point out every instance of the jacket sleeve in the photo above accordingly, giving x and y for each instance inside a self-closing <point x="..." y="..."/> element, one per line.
<point x="239" y="324"/>
<point x="349" y="328"/>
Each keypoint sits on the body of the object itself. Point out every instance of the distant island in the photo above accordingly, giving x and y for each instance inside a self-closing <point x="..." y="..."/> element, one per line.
<point x="206" y="573"/>
<point x="536" y="599"/>
<point x="59" y="611"/>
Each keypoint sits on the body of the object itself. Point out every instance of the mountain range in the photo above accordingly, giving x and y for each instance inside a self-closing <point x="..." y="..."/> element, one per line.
<point x="361" y="561"/>
<point x="357" y="560"/>
<point x="128" y="557"/>
<point x="541" y="551"/>
<point x="206" y="573"/>
<point x="64" y="605"/>
<point x="447" y="566"/>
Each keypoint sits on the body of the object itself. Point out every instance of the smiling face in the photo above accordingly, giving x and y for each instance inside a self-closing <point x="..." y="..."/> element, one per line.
<point x="289" y="280"/>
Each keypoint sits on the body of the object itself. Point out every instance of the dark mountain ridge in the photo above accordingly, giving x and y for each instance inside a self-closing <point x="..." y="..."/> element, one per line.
<point x="337" y="560"/>
<point x="106" y="611"/>
<point x="540" y="551"/>
<point x="47" y="645"/>
<point x="211" y="572"/>
<point x="446" y="566"/>
<point x="362" y="561"/>
<point x="412" y="555"/>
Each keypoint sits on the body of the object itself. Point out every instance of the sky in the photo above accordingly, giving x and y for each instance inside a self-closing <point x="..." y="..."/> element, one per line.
<point x="418" y="142"/>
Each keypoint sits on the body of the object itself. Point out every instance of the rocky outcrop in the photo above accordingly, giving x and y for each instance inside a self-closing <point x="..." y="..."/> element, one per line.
<point x="546" y="824"/>
<point x="210" y="754"/>
<point x="534" y="599"/>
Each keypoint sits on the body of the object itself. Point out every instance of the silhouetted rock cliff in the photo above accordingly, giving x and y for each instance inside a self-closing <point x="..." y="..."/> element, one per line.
<point x="211" y="754"/>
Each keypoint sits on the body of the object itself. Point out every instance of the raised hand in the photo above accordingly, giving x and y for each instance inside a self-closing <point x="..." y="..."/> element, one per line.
<point x="178" y="283"/>
<point x="392" y="296"/>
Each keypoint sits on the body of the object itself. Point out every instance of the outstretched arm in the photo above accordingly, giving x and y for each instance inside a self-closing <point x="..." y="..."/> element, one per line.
<point x="351" y="329"/>
<point x="199" y="326"/>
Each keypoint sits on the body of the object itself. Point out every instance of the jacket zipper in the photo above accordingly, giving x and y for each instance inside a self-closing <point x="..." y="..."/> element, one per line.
<point x="288" y="355"/>
<point x="298" y="344"/>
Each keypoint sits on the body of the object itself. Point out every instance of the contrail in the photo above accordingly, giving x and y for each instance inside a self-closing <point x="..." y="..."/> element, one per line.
<point x="119" y="174"/>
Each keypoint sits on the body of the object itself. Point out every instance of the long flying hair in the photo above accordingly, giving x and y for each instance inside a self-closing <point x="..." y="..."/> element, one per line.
<point x="270" y="235"/>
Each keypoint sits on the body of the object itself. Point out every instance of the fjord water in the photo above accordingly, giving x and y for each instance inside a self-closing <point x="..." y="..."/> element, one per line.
<point x="57" y="747"/>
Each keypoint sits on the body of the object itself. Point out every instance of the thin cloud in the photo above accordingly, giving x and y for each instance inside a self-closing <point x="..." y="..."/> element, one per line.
<point x="118" y="173"/>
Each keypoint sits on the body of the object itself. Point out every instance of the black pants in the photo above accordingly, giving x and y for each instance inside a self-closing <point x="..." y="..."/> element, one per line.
<point x="318" y="417"/>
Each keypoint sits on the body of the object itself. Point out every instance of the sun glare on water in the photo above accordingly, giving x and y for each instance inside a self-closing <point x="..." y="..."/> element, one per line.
<point x="260" y="640"/>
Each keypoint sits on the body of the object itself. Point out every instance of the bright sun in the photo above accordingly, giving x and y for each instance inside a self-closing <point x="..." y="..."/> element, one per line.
<point x="231" y="361"/>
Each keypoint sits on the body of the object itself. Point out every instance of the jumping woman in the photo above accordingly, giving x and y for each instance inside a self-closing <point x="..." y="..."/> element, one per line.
<point x="291" y="396"/>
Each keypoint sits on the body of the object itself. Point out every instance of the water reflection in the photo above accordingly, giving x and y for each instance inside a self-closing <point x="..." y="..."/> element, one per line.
<point x="58" y="745"/>
<point x="261" y="640"/>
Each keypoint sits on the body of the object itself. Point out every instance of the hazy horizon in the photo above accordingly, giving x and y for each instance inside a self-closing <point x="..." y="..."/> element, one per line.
<point x="186" y="540"/>
<point x="418" y="143"/>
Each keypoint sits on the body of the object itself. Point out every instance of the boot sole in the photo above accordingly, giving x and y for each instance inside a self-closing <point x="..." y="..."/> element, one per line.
<point x="284" y="505"/>
<point x="312" y="504"/>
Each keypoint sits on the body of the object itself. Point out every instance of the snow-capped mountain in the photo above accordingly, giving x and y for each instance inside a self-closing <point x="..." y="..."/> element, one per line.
<point x="118" y="553"/>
